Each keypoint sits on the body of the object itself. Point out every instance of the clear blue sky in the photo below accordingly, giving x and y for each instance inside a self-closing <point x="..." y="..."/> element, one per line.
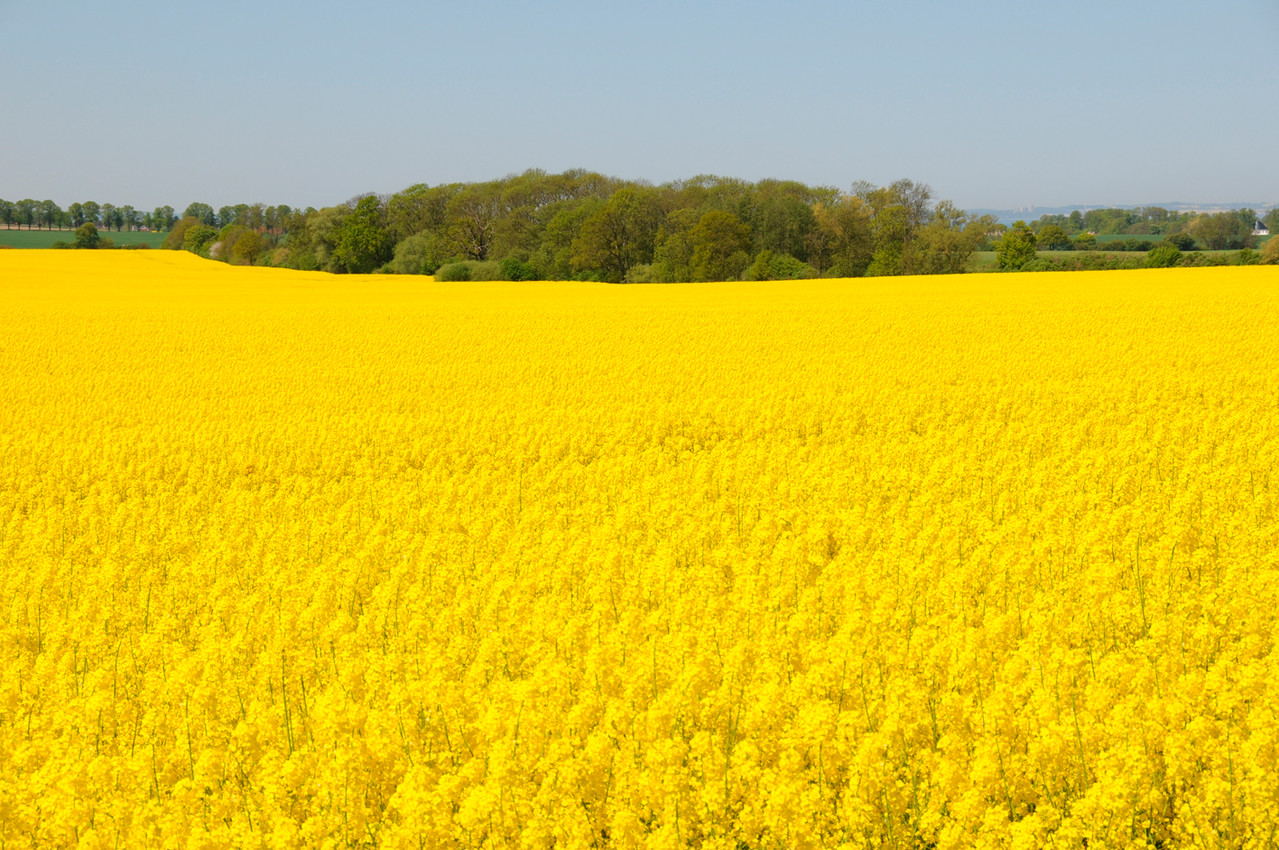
<point x="993" y="103"/>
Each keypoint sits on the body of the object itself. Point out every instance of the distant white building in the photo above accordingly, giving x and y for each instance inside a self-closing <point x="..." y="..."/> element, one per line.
<point x="1260" y="229"/>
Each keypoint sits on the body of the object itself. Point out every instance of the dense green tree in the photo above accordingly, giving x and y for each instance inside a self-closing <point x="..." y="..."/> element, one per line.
<point x="780" y="215"/>
<point x="1270" y="251"/>
<point x="362" y="243"/>
<point x="418" y="209"/>
<point x="49" y="214"/>
<point x="8" y="212"/>
<point x="772" y="266"/>
<point x="620" y="234"/>
<point x="178" y="232"/>
<point x="75" y="212"/>
<point x="163" y="218"/>
<point x="1222" y="231"/>
<point x="553" y="258"/>
<point x="247" y="248"/>
<point x="1272" y="221"/>
<point x="898" y="212"/>
<point x="198" y="238"/>
<point x="92" y="211"/>
<point x="421" y="253"/>
<point x="1016" y="247"/>
<point x="1085" y="242"/>
<point x="1052" y="238"/>
<point x="945" y="244"/>
<point x="201" y="212"/>
<point x="26" y="211"/>
<point x="1164" y="255"/>
<point x="890" y="230"/>
<point x="86" y="236"/>
<point x="720" y="241"/>
<point x="473" y="212"/>
<point x="109" y="217"/>
<point x="673" y="258"/>
<point x="843" y="243"/>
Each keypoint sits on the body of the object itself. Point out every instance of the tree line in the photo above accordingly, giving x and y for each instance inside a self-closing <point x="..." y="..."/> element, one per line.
<point x="47" y="215"/>
<point x="1148" y="226"/>
<point x="587" y="226"/>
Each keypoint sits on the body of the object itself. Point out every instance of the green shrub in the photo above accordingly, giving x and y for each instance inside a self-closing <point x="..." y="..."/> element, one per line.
<point x="485" y="270"/>
<point x="513" y="268"/>
<point x="642" y="273"/>
<point x="773" y="266"/>
<point x="453" y="272"/>
<point x="1164" y="255"/>
<point x="1270" y="251"/>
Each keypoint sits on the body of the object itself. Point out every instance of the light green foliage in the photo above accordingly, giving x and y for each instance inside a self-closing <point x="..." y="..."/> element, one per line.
<point x="247" y="248"/>
<point x="1270" y="251"/>
<point x="198" y="238"/>
<point x="421" y="253"/>
<point x="1016" y="248"/>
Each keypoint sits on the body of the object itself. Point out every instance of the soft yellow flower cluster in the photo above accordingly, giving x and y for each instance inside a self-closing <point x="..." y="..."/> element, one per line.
<point x="292" y="560"/>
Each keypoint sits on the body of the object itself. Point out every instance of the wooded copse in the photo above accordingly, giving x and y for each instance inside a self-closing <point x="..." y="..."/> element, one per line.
<point x="587" y="226"/>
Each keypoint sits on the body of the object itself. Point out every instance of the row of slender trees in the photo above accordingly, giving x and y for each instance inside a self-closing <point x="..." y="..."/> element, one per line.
<point x="47" y="215"/>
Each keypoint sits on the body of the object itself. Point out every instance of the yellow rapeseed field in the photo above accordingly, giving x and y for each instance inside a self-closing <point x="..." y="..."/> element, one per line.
<point x="292" y="560"/>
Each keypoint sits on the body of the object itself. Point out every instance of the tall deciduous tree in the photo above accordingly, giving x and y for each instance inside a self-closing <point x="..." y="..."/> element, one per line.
<point x="27" y="211"/>
<point x="720" y="242"/>
<point x="621" y="234"/>
<point x="201" y="212"/>
<point x="362" y="242"/>
<point x="49" y="214"/>
<point x="163" y="218"/>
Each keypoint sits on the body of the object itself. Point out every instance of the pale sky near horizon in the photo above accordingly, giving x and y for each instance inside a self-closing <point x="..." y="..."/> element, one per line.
<point x="993" y="103"/>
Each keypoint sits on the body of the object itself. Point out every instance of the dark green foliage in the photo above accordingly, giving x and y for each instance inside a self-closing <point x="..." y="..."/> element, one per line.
<point x="86" y="236"/>
<point x="719" y="240"/>
<point x="361" y="243"/>
<point x="1183" y="241"/>
<point x="771" y="266"/>
<point x="513" y="268"/>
